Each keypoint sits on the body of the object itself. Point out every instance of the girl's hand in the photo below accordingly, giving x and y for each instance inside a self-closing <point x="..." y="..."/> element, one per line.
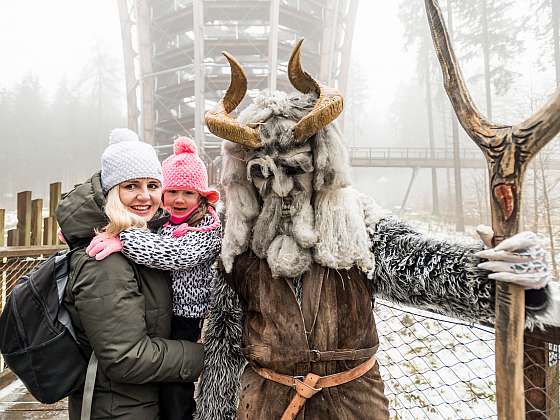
<point x="103" y="245"/>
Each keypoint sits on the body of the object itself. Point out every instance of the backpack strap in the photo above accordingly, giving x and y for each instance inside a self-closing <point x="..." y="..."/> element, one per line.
<point x="89" y="386"/>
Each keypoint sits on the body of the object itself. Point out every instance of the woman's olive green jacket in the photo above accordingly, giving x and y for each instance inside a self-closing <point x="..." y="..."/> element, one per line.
<point x="122" y="311"/>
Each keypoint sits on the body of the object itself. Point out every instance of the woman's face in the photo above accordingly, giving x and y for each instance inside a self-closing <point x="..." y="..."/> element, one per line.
<point x="141" y="196"/>
<point x="180" y="202"/>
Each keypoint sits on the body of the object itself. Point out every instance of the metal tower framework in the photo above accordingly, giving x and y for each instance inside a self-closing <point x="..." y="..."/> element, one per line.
<point x="175" y="70"/>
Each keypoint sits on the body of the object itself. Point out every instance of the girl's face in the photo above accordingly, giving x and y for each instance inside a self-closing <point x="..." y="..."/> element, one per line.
<point x="141" y="196"/>
<point x="180" y="202"/>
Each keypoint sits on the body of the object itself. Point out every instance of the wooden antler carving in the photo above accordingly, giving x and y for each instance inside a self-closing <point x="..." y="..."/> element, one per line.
<point x="508" y="150"/>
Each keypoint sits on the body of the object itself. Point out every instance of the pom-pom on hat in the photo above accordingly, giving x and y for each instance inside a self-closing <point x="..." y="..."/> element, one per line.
<point x="126" y="158"/>
<point x="184" y="170"/>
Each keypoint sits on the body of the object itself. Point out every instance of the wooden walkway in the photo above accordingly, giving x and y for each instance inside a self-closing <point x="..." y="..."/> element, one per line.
<point x="17" y="404"/>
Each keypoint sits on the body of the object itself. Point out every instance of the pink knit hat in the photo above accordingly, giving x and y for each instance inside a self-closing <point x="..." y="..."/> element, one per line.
<point x="184" y="170"/>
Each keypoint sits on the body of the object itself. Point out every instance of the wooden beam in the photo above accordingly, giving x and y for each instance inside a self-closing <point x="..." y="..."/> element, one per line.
<point x="37" y="222"/>
<point x="30" y="251"/>
<point x="24" y="218"/>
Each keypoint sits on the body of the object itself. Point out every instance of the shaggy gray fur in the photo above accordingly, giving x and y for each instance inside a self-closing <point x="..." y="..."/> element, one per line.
<point x="413" y="269"/>
<point x="218" y="387"/>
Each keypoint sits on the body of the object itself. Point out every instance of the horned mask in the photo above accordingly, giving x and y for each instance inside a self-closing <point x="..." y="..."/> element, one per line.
<point x="286" y="177"/>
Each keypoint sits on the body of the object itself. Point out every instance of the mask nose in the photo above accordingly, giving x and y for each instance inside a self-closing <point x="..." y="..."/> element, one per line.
<point x="282" y="184"/>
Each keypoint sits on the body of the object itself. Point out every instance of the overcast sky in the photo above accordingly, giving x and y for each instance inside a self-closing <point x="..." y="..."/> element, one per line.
<point x="53" y="38"/>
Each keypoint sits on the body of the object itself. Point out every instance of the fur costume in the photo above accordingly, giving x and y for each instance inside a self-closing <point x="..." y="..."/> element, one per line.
<point x="304" y="255"/>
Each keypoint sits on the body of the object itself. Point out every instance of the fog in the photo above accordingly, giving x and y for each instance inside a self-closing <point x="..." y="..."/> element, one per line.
<point x="62" y="89"/>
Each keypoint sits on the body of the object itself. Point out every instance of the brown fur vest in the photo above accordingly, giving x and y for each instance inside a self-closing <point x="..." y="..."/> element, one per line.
<point x="335" y="314"/>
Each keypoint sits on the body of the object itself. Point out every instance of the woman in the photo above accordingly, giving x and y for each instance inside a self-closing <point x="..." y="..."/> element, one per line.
<point x="122" y="310"/>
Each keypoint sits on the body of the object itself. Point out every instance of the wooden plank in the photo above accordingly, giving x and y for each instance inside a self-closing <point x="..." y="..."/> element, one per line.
<point x="29" y="251"/>
<point x="48" y="231"/>
<point x="55" y="193"/>
<point x="24" y="218"/>
<point x="12" y="237"/>
<point x="37" y="222"/>
<point x="2" y="221"/>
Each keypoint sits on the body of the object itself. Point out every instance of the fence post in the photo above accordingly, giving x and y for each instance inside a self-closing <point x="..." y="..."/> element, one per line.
<point x="2" y="221"/>
<point x="24" y="218"/>
<point x="48" y="231"/>
<point x="13" y="237"/>
<point x="36" y="222"/>
<point x="541" y="379"/>
<point x="55" y="190"/>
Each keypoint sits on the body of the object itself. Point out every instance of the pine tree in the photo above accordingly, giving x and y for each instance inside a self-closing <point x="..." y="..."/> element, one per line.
<point x="547" y="29"/>
<point x="489" y="28"/>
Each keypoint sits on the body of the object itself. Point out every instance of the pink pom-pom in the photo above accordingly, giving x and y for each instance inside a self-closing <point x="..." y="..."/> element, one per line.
<point x="184" y="145"/>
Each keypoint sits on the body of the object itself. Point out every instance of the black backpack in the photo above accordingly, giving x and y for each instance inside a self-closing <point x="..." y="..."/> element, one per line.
<point x="36" y="336"/>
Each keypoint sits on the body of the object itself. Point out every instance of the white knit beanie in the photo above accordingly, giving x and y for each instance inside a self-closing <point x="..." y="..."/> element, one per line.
<point x="126" y="158"/>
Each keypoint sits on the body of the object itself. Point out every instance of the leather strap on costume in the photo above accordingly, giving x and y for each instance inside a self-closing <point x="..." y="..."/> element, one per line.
<point x="261" y="353"/>
<point x="312" y="384"/>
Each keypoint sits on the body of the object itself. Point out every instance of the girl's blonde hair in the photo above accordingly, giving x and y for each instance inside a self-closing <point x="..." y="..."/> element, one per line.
<point x="119" y="217"/>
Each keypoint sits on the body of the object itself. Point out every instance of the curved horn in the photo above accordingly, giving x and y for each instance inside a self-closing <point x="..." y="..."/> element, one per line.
<point x="329" y="105"/>
<point x="219" y="121"/>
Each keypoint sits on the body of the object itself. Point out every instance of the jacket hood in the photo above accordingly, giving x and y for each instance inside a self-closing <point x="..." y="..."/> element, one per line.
<point x="81" y="211"/>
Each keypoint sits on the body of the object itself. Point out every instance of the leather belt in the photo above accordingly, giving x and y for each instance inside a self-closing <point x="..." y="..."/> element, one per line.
<point x="262" y="353"/>
<point x="311" y="384"/>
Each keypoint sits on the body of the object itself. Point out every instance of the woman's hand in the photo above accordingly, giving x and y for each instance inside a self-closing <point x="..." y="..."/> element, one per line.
<point x="519" y="260"/>
<point x="103" y="245"/>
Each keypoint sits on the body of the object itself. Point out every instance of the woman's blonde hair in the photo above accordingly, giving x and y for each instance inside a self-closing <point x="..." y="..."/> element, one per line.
<point x="119" y="217"/>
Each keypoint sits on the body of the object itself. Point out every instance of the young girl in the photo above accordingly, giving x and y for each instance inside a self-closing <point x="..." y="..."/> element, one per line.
<point x="188" y="244"/>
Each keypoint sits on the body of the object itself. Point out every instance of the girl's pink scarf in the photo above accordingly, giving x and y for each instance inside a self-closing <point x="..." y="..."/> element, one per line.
<point x="185" y="228"/>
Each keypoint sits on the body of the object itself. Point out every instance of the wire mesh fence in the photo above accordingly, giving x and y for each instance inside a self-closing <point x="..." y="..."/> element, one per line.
<point x="440" y="368"/>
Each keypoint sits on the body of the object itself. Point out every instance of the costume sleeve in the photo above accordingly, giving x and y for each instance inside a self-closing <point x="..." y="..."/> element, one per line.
<point x="413" y="269"/>
<point x="167" y="253"/>
<point x="111" y="310"/>
<point x="223" y="363"/>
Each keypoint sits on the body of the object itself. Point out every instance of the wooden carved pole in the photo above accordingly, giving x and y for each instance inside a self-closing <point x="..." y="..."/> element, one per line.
<point x="507" y="149"/>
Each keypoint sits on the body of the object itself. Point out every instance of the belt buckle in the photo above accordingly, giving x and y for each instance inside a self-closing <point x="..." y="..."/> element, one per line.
<point x="315" y="356"/>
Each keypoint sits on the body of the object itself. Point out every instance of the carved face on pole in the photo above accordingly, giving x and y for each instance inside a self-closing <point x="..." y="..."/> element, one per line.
<point x="284" y="166"/>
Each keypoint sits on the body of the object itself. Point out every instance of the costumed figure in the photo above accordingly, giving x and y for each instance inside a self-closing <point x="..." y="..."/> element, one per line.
<point x="291" y="331"/>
